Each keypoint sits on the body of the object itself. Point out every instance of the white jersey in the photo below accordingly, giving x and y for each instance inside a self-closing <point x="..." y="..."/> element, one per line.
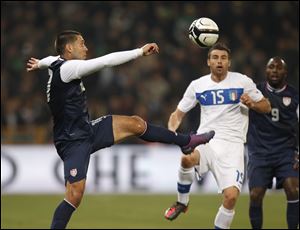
<point x="221" y="109"/>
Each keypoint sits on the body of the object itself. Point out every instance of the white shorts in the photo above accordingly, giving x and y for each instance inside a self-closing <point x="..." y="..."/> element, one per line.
<point x="225" y="160"/>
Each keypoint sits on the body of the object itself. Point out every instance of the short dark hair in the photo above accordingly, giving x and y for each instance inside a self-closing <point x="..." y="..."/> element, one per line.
<point x="219" y="46"/>
<point x="279" y="59"/>
<point x="64" y="38"/>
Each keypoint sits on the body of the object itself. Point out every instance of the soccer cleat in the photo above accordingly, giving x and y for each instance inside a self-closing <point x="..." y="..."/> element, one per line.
<point x="197" y="139"/>
<point x="174" y="211"/>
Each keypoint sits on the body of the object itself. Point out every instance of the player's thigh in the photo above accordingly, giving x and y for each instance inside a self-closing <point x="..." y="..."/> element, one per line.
<point x="228" y="164"/>
<point x="204" y="155"/>
<point x="283" y="168"/>
<point x="260" y="173"/>
<point x="126" y="126"/>
<point x="102" y="132"/>
<point x="76" y="160"/>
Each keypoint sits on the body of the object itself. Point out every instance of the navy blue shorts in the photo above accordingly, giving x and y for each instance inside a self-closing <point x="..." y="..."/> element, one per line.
<point x="262" y="171"/>
<point x="76" y="155"/>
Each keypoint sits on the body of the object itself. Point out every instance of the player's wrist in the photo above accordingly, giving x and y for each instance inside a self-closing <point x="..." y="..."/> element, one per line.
<point x="38" y="65"/>
<point x="140" y="52"/>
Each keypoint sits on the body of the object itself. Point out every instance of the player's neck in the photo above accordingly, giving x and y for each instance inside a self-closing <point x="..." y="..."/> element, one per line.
<point x="276" y="89"/>
<point x="218" y="78"/>
<point x="66" y="57"/>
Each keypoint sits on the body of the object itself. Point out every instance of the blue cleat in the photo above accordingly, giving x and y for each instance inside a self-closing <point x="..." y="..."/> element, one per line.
<point x="197" y="139"/>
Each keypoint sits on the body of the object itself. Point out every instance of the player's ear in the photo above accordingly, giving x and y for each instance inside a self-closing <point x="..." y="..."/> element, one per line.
<point x="229" y="63"/>
<point x="68" y="47"/>
<point x="208" y="62"/>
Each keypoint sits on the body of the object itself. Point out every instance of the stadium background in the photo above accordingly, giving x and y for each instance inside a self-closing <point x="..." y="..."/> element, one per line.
<point x="149" y="87"/>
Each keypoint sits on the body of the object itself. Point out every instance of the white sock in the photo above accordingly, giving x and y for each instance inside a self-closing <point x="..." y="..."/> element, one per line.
<point x="224" y="218"/>
<point x="185" y="178"/>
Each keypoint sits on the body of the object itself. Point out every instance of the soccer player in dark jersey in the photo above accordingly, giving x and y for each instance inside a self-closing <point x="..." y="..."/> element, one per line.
<point x="272" y="145"/>
<point x="75" y="135"/>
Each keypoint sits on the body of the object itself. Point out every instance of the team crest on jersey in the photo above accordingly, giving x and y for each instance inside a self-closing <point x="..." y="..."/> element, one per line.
<point x="286" y="101"/>
<point x="233" y="95"/>
<point x="73" y="172"/>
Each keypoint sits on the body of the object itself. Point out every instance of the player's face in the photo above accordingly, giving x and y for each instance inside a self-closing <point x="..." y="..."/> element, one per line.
<point x="79" y="50"/>
<point x="276" y="72"/>
<point x="219" y="62"/>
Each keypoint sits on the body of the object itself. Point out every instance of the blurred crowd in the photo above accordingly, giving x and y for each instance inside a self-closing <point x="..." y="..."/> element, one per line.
<point x="149" y="87"/>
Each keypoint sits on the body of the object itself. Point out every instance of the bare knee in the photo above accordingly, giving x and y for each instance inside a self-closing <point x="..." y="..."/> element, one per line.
<point x="292" y="194"/>
<point x="138" y="125"/>
<point x="291" y="186"/>
<point x="230" y="198"/>
<point x="74" y="194"/>
<point x="257" y="195"/>
<point x="75" y="197"/>
<point x="230" y="201"/>
<point x="188" y="161"/>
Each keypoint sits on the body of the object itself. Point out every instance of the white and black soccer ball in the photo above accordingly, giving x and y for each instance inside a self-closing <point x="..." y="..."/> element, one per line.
<point x="204" y="32"/>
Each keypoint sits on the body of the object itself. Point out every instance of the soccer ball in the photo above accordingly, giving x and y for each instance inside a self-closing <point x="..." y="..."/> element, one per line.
<point x="204" y="32"/>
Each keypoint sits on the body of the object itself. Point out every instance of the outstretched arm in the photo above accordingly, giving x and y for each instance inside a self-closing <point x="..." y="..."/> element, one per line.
<point x="34" y="63"/>
<point x="76" y="69"/>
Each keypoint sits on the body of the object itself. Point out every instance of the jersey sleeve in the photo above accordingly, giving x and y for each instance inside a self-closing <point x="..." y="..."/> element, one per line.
<point x="251" y="89"/>
<point x="47" y="61"/>
<point x="189" y="99"/>
<point x="76" y="69"/>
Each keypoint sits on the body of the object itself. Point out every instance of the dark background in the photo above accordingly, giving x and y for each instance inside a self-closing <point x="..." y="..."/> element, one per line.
<point x="149" y="87"/>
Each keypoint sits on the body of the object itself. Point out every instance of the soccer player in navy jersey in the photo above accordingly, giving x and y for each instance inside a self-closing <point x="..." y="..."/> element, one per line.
<point x="272" y="145"/>
<point x="75" y="136"/>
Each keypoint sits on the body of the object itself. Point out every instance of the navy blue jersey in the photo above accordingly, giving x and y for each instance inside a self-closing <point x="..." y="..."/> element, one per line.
<point x="272" y="134"/>
<point x="68" y="106"/>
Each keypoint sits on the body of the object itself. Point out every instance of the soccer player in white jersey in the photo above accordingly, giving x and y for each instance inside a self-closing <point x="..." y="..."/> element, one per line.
<point x="224" y="99"/>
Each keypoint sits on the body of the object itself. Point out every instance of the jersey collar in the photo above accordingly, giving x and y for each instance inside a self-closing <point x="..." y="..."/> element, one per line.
<point x="273" y="90"/>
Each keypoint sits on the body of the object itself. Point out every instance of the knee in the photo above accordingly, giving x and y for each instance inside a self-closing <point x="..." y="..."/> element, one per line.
<point x="230" y="200"/>
<point x="75" y="196"/>
<point x="256" y="196"/>
<point x="187" y="161"/>
<point x="291" y="188"/>
<point x="138" y="124"/>
<point x="292" y="194"/>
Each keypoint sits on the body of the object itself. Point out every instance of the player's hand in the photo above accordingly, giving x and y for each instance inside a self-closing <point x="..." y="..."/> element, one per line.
<point x="296" y="164"/>
<point x="32" y="64"/>
<point x="246" y="100"/>
<point x="150" y="48"/>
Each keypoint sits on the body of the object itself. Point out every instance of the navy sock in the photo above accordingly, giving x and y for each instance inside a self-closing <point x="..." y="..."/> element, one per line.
<point x="256" y="216"/>
<point x="155" y="133"/>
<point x="62" y="215"/>
<point x="292" y="214"/>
